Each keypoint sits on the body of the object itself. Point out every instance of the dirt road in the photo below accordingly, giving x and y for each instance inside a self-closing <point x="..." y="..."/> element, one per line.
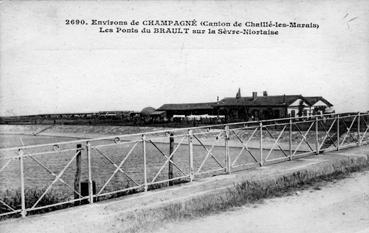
<point x="341" y="206"/>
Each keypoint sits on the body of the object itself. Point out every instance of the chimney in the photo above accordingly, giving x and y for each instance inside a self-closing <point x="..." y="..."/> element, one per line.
<point x="254" y="95"/>
<point x="238" y="94"/>
<point x="265" y="93"/>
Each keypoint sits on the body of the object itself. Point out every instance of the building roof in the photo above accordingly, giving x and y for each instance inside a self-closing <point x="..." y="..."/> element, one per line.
<point x="314" y="99"/>
<point x="187" y="106"/>
<point x="157" y="113"/>
<point x="273" y="100"/>
<point x="270" y="100"/>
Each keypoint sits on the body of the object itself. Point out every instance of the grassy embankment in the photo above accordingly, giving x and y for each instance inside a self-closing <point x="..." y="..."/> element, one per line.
<point x="245" y="192"/>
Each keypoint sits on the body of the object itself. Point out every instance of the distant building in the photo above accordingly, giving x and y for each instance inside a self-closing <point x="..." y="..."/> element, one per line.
<point x="319" y="105"/>
<point x="253" y="107"/>
<point x="188" y="109"/>
<point x="262" y="107"/>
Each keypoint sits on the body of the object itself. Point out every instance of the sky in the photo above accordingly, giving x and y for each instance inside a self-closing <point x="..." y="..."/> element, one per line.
<point x="47" y="66"/>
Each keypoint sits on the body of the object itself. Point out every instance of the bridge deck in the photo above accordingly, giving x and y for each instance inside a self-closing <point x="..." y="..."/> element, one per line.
<point x="124" y="213"/>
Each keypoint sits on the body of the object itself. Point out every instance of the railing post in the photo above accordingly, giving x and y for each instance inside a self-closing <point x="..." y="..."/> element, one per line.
<point x="290" y="139"/>
<point x="21" y="168"/>
<point x="77" y="176"/>
<point x="190" y="145"/>
<point x="170" y="165"/>
<point x="227" y="157"/>
<point x="316" y="135"/>
<point x="191" y="168"/>
<point x="90" y="184"/>
<point x="338" y="132"/>
<point x="358" y="129"/>
<point x="144" y="161"/>
<point x="261" y="144"/>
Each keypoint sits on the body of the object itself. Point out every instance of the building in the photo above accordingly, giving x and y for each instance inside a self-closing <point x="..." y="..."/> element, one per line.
<point x="262" y="107"/>
<point x="253" y="107"/>
<point x="319" y="105"/>
<point x="188" y="109"/>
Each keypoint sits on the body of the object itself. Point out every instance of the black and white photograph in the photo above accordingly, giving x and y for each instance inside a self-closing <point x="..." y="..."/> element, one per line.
<point x="184" y="116"/>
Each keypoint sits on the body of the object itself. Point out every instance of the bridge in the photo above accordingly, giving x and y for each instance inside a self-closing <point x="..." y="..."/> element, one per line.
<point x="55" y="175"/>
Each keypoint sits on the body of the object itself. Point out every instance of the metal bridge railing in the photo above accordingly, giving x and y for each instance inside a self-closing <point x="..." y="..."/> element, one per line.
<point x="58" y="175"/>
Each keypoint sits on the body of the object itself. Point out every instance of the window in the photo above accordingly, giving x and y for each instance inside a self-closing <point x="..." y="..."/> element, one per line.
<point x="293" y="113"/>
